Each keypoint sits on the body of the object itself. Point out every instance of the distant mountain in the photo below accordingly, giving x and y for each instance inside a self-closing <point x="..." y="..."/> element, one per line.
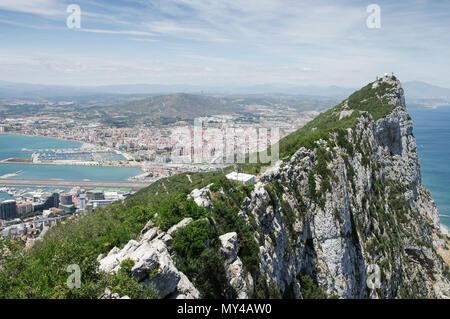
<point x="179" y="105"/>
<point x="305" y="90"/>
<point x="24" y="90"/>
<point x="413" y="90"/>
<point x="422" y="90"/>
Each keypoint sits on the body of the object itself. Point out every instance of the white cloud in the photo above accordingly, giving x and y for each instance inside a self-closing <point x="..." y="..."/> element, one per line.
<point x="126" y="32"/>
<point x="144" y="40"/>
<point x="289" y="41"/>
<point x="39" y="7"/>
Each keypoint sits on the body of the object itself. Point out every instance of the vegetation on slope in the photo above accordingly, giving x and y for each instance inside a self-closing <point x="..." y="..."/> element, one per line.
<point x="368" y="100"/>
<point x="40" y="271"/>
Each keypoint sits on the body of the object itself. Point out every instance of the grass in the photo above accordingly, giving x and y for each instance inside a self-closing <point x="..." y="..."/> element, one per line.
<point x="366" y="100"/>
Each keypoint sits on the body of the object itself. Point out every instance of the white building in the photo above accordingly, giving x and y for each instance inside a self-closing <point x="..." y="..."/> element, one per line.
<point x="241" y="177"/>
<point x="100" y="202"/>
<point x="82" y="202"/>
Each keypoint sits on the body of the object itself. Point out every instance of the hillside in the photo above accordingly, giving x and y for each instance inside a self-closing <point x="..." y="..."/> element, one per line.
<point x="422" y="90"/>
<point x="180" y="105"/>
<point x="346" y="197"/>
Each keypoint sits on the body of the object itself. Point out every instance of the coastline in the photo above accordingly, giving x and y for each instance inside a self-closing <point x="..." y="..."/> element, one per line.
<point x="72" y="163"/>
<point x="430" y="131"/>
<point x="43" y="136"/>
<point x="444" y="229"/>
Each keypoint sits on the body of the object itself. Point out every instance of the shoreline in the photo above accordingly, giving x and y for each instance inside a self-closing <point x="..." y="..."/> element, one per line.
<point x="81" y="145"/>
<point x="49" y="137"/>
<point x="73" y="164"/>
<point x="444" y="229"/>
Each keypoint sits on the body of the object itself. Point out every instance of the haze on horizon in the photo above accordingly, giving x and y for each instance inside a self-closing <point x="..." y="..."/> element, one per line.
<point x="226" y="43"/>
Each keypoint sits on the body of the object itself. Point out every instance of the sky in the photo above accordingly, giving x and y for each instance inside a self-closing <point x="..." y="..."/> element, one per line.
<point x="223" y="42"/>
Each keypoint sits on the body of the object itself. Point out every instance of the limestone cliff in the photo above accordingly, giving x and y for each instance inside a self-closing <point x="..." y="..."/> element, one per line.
<point x="345" y="202"/>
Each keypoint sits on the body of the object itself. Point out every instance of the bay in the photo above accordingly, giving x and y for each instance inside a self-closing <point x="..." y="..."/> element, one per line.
<point x="11" y="147"/>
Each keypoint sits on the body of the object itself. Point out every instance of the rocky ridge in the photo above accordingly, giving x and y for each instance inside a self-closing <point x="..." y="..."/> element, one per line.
<point x="153" y="262"/>
<point x="326" y="215"/>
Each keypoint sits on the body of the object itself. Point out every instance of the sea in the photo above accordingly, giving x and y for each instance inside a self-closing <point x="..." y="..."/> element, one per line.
<point x="11" y="147"/>
<point x="432" y="133"/>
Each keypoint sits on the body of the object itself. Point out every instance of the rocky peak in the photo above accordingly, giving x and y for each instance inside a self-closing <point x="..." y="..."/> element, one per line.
<point x="396" y="95"/>
<point x="345" y="199"/>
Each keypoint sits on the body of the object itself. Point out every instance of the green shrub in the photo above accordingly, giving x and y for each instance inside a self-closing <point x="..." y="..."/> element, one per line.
<point x="227" y="220"/>
<point x="264" y="290"/>
<point x="190" y="241"/>
<point x="309" y="289"/>
<point x="208" y="275"/>
<point x="124" y="284"/>
<point x="176" y="207"/>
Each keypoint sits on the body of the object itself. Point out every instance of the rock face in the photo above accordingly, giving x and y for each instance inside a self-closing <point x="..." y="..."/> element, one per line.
<point x="233" y="265"/>
<point x="335" y="241"/>
<point x="109" y="295"/>
<point x="153" y="263"/>
<point x="173" y="230"/>
<point x="350" y="214"/>
<point x="201" y="197"/>
<point x="185" y="289"/>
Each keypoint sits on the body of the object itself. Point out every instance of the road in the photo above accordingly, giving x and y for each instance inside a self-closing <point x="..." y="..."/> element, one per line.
<point x="69" y="183"/>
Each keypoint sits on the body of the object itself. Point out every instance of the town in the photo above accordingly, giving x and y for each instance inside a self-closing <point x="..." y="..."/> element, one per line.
<point x="154" y="149"/>
<point x="32" y="212"/>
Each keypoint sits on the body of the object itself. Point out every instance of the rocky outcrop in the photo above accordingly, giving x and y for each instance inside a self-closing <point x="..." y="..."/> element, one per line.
<point x="110" y="295"/>
<point x="234" y="269"/>
<point x="174" y="229"/>
<point x="154" y="265"/>
<point x="351" y="210"/>
<point x="201" y="197"/>
<point x="185" y="289"/>
<point x="335" y="241"/>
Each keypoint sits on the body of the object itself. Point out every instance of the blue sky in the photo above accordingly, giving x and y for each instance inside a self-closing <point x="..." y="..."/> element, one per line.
<point x="223" y="42"/>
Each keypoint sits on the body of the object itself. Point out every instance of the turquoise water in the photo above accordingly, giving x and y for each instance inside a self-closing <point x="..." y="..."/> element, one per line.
<point x="5" y="196"/>
<point x="11" y="146"/>
<point x="432" y="132"/>
<point x="70" y="172"/>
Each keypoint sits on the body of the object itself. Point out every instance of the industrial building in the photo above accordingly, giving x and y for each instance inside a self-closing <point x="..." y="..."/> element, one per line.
<point x="65" y="199"/>
<point x="241" y="177"/>
<point x="82" y="202"/>
<point x="24" y="208"/>
<point x="8" y="209"/>
<point x="52" y="200"/>
<point x="95" y="195"/>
